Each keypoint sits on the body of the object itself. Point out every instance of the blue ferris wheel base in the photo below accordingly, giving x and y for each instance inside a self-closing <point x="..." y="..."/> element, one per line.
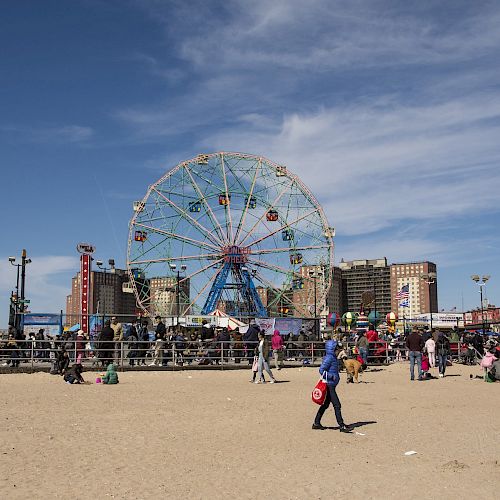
<point x="246" y="286"/>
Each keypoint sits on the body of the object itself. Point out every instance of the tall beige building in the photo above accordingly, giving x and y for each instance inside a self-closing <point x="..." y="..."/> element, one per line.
<point x="422" y="292"/>
<point x="163" y="296"/>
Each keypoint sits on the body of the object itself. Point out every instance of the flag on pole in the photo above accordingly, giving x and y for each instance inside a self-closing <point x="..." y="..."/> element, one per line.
<point x="404" y="293"/>
<point x="403" y="296"/>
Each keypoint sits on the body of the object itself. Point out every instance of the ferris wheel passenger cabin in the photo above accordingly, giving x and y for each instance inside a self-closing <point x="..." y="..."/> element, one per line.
<point x="272" y="215"/>
<point x="296" y="258"/>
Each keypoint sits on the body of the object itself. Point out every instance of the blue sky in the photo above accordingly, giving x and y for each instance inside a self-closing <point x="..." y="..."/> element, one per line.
<point x="389" y="112"/>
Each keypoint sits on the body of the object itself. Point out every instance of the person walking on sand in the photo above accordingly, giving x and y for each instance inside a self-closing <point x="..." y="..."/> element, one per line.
<point x="430" y="347"/>
<point x="263" y="349"/>
<point x="117" y="328"/>
<point x="443" y="351"/>
<point x="362" y="345"/>
<point x="415" y="344"/>
<point x="277" y="346"/>
<point x="329" y="370"/>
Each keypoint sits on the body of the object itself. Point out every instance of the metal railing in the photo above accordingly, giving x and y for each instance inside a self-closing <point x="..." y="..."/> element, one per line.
<point x="177" y="354"/>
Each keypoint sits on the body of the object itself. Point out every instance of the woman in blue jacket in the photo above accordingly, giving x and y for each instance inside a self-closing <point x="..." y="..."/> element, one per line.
<point x="329" y="370"/>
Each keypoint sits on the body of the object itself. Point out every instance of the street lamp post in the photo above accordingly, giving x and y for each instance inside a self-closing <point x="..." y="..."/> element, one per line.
<point x="481" y="281"/>
<point x="430" y="279"/>
<point x="111" y="263"/>
<point x="20" y="300"/>
<point x="173" y="267"/>
<point x="314" y="275"/>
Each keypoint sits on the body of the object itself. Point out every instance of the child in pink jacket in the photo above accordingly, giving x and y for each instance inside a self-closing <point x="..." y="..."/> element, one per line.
<point x="487" y="361"/>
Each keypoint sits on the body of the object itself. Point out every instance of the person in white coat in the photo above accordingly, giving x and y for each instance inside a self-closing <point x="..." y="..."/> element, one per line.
<point x="430" y="347"/>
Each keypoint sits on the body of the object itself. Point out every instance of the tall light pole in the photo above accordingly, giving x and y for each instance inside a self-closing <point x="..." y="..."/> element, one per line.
<point x="314" y="275"/>
<point x="100" y="265"/>
<point x="481" y="281"/>
<point x="20" y="299"/>
<point x="430" y="279"/>
<point x="173" y="267"/>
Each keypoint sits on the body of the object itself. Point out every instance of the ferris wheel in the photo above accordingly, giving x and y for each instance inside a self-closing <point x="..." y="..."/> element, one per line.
<point x="229" y="231"/>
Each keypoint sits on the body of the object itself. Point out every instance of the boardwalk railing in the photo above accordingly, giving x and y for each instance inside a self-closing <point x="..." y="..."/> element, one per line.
<point x="190" y="353"/>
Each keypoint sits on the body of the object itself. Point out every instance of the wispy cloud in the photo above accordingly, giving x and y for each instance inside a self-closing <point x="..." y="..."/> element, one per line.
<point x="47" y="281"/>
<point x="50" y="134"/>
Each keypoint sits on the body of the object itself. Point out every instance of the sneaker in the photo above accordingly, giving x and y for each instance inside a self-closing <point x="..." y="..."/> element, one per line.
<point x="346" y="428"/>
<point x="257" y="382"/>
<point x="441" y="375"/>
<point x="318" y="427"/>
<point x="272" y="381"/>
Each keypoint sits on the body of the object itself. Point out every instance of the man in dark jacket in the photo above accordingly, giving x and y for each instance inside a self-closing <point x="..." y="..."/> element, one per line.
<point x="329" y="371"/>
<point x="251" y="339"/>
<point x="443" y="351"/>
<point x="415" y="345"/>
<point x="161" y="331"/>
<point x="106" y="344"/>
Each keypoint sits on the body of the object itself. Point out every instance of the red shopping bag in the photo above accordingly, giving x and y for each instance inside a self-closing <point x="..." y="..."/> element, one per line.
<point x="319" y="392"/>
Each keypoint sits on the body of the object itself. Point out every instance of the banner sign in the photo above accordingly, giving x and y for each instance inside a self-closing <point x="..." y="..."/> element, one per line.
<point x="41" y="319"/>
<point x="197" y="321"/>
<point x="288" y="326"/>
<point x="52" y="323"/>
<point x="266" y="325"/>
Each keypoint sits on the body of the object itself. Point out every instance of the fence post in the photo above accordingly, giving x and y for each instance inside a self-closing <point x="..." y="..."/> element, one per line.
<point x="174" y="357"/>
<point x="222" y="355"/>
<point x="312" y="353"/>
<point x="32" y="352"/>
<point x="121" y="354"/>
<point x="387" y="352"/>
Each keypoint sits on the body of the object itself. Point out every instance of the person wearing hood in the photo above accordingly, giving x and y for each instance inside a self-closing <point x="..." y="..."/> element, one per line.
<point x="111" y="377"/>
<point x="329" y="371"/>
<point x="277" y="346"/>
<point x="80" y="346"/>
<point x="74" y="374"/>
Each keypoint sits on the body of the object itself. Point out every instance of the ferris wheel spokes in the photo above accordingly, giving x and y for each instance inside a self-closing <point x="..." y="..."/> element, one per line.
<point x="200" y="293"/>
<point x="227" y="206"/>
<point x="211" y="256"/>
<point x="280" y="294"/>
<point x="210" y="212"/>
<point x="205" y="268"/>
<point x="176" y="236"/>
<point x="284" y="226"/>
<point x="273" y="204"/>
<point x="248" y="201"/>
<point x="287" y="249"/>
<point x="182" y="212"/>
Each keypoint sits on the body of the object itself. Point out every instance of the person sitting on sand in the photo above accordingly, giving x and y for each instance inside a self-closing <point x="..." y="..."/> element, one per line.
<point x="110" y="377"/>
<point x="74" y="374"/>
<point x="487" y="362"/>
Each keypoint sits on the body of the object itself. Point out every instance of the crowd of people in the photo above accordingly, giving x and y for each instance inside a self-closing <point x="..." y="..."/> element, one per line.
<point x="139" y="345"/>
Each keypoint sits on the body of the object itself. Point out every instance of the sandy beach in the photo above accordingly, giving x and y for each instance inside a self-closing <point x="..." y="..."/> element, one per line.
<point x="206" y="434"/>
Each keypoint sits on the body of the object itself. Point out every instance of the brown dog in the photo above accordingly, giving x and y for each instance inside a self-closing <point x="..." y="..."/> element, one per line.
<point x="353" y="367"/>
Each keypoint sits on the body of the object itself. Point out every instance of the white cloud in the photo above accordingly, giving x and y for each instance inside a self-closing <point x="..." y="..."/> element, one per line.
<point x="372" y="166"/>
<point x="51" y="134"/>
<point x="325" y="34"/>
<point x="48" y="282"/>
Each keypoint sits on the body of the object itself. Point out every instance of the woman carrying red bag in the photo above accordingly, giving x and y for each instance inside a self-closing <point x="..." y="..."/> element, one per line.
<point x="329" y="371"/>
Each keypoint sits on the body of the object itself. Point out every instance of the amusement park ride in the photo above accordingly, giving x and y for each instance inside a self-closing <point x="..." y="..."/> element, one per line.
<point x="243" y="226"/>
